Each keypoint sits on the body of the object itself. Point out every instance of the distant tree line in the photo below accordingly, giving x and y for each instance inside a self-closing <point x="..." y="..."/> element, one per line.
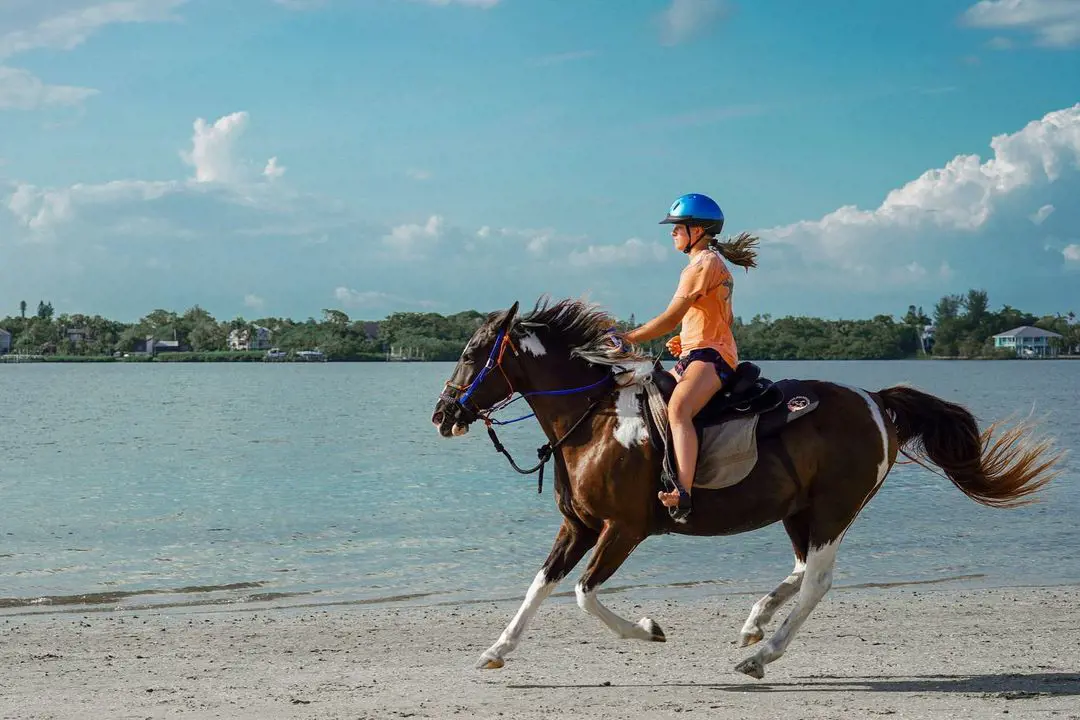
<point x="963" y="326"/>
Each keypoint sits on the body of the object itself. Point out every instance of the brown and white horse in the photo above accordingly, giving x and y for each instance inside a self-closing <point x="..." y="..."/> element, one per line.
<point x="607" y="472"/>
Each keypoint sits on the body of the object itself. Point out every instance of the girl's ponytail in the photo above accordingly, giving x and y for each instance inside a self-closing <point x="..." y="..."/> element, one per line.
<point x="739" y="251"/>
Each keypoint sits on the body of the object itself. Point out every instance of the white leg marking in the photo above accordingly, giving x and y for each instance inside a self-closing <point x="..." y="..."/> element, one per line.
<point x="630" y="429"/>
<point x="532" y="345"/>
<point x="753" y="629"/>
<point x="818" y="574"/>
<point x="644" y="629"/>
<point x="537" y="593"/>
<point x="817" y="580"/>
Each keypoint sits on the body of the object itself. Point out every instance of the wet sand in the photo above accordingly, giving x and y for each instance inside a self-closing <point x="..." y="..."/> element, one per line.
<point x="905" y="652"/>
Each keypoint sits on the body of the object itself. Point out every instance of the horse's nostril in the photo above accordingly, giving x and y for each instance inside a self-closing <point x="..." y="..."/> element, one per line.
<point x="437" y="418"/>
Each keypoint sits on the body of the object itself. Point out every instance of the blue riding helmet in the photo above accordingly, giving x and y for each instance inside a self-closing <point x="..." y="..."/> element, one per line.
<point x="696" y="209"/>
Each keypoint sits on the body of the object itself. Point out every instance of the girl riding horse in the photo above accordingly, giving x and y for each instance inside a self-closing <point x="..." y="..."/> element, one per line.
<point x="706" y="346"/>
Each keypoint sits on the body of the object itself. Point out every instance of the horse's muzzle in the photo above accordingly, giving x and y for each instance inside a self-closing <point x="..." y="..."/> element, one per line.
<point x="448" y="419"/>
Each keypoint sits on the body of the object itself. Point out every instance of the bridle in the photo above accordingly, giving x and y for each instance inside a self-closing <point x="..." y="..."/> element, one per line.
<point x="463" y="394"/>
<point x="494" y="361"/>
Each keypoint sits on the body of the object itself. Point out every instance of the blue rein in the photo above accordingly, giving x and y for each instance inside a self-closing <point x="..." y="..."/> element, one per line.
<point x="493" y="361"/>
<point x="571" y="391"/>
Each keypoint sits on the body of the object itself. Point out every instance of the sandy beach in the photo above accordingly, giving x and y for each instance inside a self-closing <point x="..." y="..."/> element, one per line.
<point x="910" y="652"/>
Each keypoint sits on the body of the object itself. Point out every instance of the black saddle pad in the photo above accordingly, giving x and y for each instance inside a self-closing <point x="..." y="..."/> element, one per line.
<point x="747" y="394"/>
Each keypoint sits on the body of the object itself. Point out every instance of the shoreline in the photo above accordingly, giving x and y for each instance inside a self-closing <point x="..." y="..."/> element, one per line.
<point x="264" y="601"/>
<point x="923" y="652"/>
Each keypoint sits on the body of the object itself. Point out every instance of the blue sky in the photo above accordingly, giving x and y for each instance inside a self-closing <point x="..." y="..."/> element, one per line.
<point x="267" y="157"/>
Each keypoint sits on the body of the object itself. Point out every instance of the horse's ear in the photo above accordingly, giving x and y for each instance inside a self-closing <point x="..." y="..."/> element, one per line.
<point x="511" y="315"/>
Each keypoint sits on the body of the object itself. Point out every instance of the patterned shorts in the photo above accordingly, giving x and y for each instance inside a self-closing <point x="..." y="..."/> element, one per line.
<point x="723" y="370"/>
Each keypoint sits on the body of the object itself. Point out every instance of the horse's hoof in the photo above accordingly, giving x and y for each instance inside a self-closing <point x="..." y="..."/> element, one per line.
<point x="746" y="639"/>
<point x="488" y="662"/>
<point x="655" y="633"/>
<point x="752" y="667"/>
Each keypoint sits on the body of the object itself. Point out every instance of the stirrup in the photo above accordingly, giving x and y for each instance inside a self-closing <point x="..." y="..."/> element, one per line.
<point x="681" y="511"/>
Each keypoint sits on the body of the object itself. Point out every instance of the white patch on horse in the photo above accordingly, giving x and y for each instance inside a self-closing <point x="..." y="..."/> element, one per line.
<point x="753" y="629"/>
<point x="879" y="420"/>
<point x="644" y="629"/>
<point x="640" y="371"/>
<point x="817" y="579"/>
<point x="630" y="429"/>
<point x="532" y="345"/>
<point x="537" y="593"/>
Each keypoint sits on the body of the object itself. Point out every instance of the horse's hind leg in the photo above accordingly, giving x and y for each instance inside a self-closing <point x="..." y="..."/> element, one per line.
<point x="571" y="544"/>
<point x="753" y="630"/>
<point x="613" y="547"/>
<point x="816" y="582"/>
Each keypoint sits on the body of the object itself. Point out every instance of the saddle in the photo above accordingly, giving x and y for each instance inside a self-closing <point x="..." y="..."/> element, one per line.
<point x="746" y="410"/>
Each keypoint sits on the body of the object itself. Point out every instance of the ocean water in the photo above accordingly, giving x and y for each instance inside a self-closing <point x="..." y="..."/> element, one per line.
<point x="133" y="485"/>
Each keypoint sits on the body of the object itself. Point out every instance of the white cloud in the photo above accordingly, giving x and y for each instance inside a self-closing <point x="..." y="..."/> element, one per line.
<point x="417" y="174"/>
<point x="1055" y="23"/>
<point x="1041" y="214"/>
<point x="375" y="298"/>
<point x="405" y="236"/>
<point x="536" y="241"/>
<point x="66" y="24"/>
<point x="60" y="25"/>
<point x="41" y="210"/>
<point x="1072" y="253"/>
<point x="538" y="244"/>
<point x="254" y="302"/>
<point x="211" y="153"/>
<point x="686" y="19"/>
<point x="272" y="169"/>
<point x="21" y="90"/>
<point x="968" y="198"/>
<point x="631" y="252"/>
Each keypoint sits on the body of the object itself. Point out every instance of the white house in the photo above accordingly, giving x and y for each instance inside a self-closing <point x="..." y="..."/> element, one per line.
<point x="1027" y="341"/>
<point x="5" y="341"/>
<point x="241" y="339"/>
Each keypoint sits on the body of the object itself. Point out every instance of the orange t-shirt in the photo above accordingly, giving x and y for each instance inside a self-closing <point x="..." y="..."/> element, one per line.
<point x="707" y="324"/>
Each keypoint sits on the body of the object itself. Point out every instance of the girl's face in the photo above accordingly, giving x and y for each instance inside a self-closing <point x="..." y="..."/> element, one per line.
<point x="681" y="239"/>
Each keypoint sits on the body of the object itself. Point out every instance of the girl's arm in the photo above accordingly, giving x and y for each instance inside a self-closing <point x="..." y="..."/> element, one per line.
<point x="663" y="323"/>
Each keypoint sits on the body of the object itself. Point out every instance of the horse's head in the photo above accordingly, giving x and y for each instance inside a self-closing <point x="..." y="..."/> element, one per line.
<point x="478" y="382"/>
<point x="566" y="349"/>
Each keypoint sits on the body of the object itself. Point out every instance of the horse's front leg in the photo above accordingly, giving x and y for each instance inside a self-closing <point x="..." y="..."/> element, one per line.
<point x="571" y="544"/>
<point x="613" y="547"/>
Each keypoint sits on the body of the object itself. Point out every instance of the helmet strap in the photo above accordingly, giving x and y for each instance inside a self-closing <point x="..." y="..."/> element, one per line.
<point x="690" y="242"/>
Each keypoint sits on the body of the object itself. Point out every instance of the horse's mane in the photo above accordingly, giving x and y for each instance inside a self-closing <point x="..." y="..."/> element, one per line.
<point x="584" y="327"/>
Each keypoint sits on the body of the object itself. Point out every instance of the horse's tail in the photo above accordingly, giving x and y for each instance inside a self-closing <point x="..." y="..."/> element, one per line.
<point x="999" y="472"/>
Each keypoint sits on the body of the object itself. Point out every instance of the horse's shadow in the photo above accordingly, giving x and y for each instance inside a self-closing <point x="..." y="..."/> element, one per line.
<point x="1012" y="686"/>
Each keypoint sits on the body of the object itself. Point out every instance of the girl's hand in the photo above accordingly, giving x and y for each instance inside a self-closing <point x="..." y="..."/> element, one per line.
<point x="619" y="341"/>
<point x="674" y="346"/>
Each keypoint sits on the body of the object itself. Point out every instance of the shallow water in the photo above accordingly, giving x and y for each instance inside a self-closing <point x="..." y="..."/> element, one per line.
<point x="125" y="485"/>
